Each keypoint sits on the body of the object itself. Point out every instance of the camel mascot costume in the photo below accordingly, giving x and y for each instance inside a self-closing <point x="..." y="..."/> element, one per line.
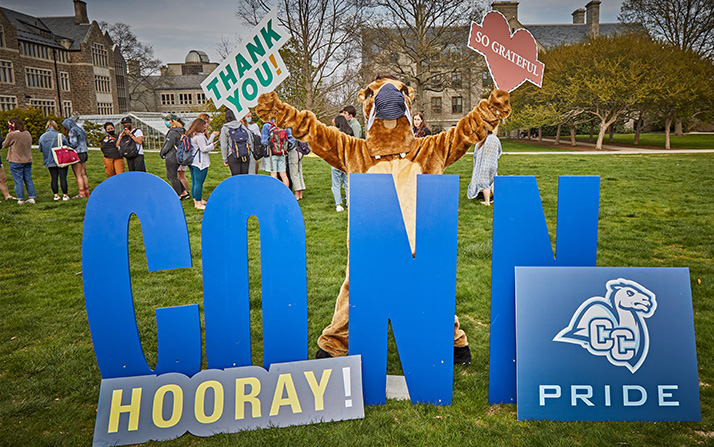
<point x="389" y="148"/>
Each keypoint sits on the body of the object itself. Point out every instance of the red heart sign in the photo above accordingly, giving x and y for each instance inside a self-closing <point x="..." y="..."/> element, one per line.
<point x="512" y="59"/>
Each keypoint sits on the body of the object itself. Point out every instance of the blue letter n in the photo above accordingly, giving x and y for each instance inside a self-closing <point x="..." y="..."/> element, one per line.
<point x="520" y="238"/>
<point x="415" y="293"/>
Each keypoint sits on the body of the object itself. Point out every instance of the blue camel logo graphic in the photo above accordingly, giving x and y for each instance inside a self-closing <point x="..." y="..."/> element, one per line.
<point x="614" y="326"/>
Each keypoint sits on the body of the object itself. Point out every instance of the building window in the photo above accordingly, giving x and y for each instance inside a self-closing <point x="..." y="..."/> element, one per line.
<point x="436" y="104"/>
<point x="167" y="99"/>
<point x="200" y="98"/>
<point x="102" y="84"/>
<point x="457" y="104"/>
<point x="46" y="105"/>
<point x="486" y="81"/>
<point x="456" y="79"/>
<point x="38" y="78"/>
<point x="121" y="103"/>
<point x="105" y="108"/>
<point x="8" y="103"/>
<point x="6" y="72"/>
<point x="2" y="36"/>
<point x="64" y="81"/>
<point x="185" y="98"/>
<point x="34" y="50"/>
<point x="99" y="55"/>
<point x="62" y="56"/>
<point x="66" y="108"/>
<point x="120" y="85"/>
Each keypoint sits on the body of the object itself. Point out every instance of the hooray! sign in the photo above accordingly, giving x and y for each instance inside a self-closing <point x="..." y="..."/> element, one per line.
<point x="254" y="68"/>
<point x="512" y="59"/>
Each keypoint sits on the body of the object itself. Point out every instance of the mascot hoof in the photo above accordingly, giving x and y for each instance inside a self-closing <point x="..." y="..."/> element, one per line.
<point x="322" y="354"/>
<point x="462" y="356"/>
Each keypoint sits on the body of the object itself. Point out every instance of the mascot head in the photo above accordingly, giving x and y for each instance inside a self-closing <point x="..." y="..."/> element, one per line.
<point x="387" y="104"/>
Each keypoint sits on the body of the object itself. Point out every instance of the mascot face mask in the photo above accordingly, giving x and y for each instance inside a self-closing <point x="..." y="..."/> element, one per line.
<point x="386" y="105"/>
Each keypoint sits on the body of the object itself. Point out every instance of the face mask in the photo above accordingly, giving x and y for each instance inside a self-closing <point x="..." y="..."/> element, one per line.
<point x="248" y="119"/>
<point x="10" y="127"/>
<point x="111" y="132"/>
<point x="167" y="123"/>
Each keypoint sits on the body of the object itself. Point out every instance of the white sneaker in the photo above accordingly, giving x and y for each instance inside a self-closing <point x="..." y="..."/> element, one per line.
<point x="20" y="202"/>
<point x="31" y="201"/>
<point x="339" y="208"/>
<point x="65" y="197"/>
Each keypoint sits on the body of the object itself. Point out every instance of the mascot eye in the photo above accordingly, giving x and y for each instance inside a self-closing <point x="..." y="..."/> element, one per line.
<point x="368" y="93"/>
<point x="405" y="90"/>
<point x="630" y="293"/>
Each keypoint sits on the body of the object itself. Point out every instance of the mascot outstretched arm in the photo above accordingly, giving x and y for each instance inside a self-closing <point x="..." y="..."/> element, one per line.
<point x="389" y="148"/>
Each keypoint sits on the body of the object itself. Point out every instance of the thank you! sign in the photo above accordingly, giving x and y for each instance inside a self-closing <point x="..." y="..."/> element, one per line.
<point x="606" y="344"/>
<point x="512" y="59"/>
<point x="254" y="68"/>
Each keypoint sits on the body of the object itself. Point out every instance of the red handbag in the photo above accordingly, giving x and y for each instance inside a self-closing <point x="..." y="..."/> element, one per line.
<point x="63" y="155"/>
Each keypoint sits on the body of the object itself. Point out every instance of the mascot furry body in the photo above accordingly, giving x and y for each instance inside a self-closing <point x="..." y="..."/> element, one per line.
<point x="389" y="148"/>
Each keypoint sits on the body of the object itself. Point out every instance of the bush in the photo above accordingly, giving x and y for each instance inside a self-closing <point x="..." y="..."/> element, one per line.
<point x="35" y="121"/>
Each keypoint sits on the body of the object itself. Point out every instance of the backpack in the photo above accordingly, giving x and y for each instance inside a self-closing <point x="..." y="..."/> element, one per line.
<point x="259" y="151"/>
<point x="302" y="147"/>
<point x="109" y="147"/>
<point x="127" y="146"/>
<point x="278" y="141"/>
<point x="238" y="141"/>
<point x="184" y="154"/>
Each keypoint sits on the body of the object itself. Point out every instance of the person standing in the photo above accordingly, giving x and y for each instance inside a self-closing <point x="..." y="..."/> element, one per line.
<point x="235" y="140"/>
<point x="19" y="155"/>
<point x="48" y="140"/>
<point x="3" y="179"/>
<point x="201" y="146"/>
<point x="420" y="129"/>
<point x="134" y="158"/>
<point x="350" y="113"/>
<point x="168" y="153"/>
<point x="78" y="141"/>
<point x="295" y="169"/>
<point x="486" y="155"/>
<point x="253" y="127"/>
<point x="113" y="161"/>
<point x="338" y="176"/>
<point x="278" y="141"/>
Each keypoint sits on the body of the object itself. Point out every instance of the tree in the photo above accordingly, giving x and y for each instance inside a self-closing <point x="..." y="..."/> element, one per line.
<point x="323" y="47"/>
<point x="686" y="24"/>
<point x="606" y="77"/>
<point x="144" y="68"/>
<point x="423" y="42"/>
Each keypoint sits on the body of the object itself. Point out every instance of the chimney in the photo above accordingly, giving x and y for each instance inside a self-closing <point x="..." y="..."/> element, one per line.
<point x="592" y="22"/>
<point x="80" y="13"/>
<point x="579" y="16"/>
<point x="508" y="9"/>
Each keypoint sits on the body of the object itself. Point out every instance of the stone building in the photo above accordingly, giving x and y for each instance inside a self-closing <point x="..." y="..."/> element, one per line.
<point x="60" y="65"/>
<point x="177" y="89"/>
<point x="456" y="92"/>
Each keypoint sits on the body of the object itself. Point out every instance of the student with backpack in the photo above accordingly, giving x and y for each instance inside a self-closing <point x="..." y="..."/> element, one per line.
<point x="278" y="142"/>
<point x="168" y="153"/>
<point x="236" y="145"/>
<point x="256" y="152"/>
<point x="131" y="145"/>
<point x="200" y="147"/>
<point x="78" y="141"/>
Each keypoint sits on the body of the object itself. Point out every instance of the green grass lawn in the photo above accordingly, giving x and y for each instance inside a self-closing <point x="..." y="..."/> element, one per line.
<point x="655" y="211"/>
<point x="687" y="141"/>
<point x="509" y="145"/>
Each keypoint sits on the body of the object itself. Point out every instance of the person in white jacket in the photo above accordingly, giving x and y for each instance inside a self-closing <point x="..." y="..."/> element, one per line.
<point x="200" y="147"/>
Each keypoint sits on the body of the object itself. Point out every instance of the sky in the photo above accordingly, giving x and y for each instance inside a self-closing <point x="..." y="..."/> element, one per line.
<point x="174" y="27"/>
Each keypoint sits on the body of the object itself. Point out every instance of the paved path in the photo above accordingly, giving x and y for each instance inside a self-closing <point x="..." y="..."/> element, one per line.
<point x="610" y="149"/>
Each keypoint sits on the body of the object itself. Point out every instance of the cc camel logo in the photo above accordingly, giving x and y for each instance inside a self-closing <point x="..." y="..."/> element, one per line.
<point x="614" y="326"/>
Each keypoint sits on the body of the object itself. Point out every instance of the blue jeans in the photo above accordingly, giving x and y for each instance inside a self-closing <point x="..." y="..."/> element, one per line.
<point x="338" y="175"/>
<point x="22" y="176"/>
<point x="198" y="176"/>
